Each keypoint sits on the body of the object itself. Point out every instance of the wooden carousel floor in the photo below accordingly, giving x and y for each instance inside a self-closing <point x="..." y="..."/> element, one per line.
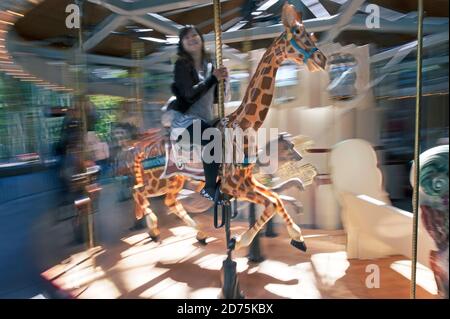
<point x="132" y="266"/>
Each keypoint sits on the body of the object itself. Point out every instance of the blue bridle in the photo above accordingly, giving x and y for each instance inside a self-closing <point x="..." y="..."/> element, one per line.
<point x="306" y="54"/>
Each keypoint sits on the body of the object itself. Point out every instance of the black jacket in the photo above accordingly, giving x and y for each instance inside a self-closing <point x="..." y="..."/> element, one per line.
<point x="187" y="86"/>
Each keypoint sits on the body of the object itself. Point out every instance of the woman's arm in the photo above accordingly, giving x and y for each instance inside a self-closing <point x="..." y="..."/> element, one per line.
<point x="184" y="84"/>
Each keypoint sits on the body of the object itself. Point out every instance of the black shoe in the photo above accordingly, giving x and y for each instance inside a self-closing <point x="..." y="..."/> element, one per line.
<point x="206" y="195"/>
<point x="209" y="196"/>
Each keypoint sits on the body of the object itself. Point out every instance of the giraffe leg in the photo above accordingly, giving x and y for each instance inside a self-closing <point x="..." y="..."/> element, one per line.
<point x="272" y="204"/>
<point x="246" y="238"/>
<point x="142" y="209"/>
<point x="174" y="186"/>
<point x="152" y="223"/>
<point x="293" y="229"/>
<point x="138" y="170"/>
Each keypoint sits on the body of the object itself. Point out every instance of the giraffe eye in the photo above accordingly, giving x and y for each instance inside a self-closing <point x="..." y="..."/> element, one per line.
<point x="296" y="31"/>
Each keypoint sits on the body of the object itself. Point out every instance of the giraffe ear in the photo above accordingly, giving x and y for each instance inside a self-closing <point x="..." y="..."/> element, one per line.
<point x="290" y="16"/>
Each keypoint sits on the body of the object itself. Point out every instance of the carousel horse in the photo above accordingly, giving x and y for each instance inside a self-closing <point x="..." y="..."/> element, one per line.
<point x="238" y="181"/>
<point x="433" y="203"/>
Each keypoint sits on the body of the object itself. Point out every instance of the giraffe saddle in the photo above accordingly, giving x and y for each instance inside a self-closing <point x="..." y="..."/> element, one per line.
<point x="183" y="159"/>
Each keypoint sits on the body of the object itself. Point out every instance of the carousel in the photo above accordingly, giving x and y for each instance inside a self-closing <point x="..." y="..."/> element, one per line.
<point x="307" y="78"/>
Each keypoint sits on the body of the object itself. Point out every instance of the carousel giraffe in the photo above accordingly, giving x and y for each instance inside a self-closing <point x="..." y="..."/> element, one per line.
<point x="151" y="183"/>
<point x="238" y="181"/>
<point x="148" y="183"/>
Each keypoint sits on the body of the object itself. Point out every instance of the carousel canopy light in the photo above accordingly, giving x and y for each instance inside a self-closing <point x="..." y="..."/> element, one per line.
<point x="172" y="39"/>
<point x="237" y="26"/>
<point x="316" y="8"/>
<point x="339" y="1"/>
<point x="15" y="13"/>
<point x="152" y="39"/>
<point x="267" y="5"/>
<point x="144" y="30"/>
<point x="6" y="22"/>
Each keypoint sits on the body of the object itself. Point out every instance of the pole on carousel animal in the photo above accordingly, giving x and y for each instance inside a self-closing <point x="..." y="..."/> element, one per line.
<point x="80" y="98"/>
<point x="254" y="252"/>
<point x="417" y="149"/>
<point x="80" y="88"/>
<point x="138" y="52"/>
<point x="270" y="229"/>
<point x="230" y="283"/>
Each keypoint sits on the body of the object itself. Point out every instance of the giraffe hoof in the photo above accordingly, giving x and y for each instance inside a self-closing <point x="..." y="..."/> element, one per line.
<point x="299" y="244"/>
<point x="155" y="238"/>
<point x="201" y="238"/>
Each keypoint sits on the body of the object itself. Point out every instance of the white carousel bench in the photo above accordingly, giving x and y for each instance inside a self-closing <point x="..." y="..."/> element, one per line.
<point x="375" y="228"/>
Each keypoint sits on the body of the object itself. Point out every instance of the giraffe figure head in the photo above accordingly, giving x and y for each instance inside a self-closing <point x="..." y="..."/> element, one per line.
<point x="300" y="45"/>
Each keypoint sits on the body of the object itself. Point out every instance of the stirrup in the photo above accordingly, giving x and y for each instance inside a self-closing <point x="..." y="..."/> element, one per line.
<point x="218" y="201"/>
<point x="206" y="195"/>
<point x="219" y="197"/>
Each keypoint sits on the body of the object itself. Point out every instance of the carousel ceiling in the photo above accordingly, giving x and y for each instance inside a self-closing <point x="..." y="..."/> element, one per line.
<point x="105" y="23"/>
<point x="111" y="27"/>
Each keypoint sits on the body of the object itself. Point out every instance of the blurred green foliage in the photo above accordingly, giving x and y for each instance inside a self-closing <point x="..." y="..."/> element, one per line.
<point x="107" y="108"/>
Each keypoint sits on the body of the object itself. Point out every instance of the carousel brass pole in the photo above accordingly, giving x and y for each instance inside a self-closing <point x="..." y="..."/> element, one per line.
<point x="79" y="92"/>
<point x="230" y="283"/>
<point x="137" y="49"/>
<point x="80" y="98"/>
<point x="417" y="149"/>
<point x="219" y="59"/>
<point x="254" y="251"/>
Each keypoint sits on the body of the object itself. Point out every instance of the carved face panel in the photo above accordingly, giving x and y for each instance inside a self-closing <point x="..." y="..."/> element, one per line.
<point x="286" y="151"/>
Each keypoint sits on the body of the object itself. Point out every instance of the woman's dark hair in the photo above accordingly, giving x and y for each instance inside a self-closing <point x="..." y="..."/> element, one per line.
<point x="182" y="52"/>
